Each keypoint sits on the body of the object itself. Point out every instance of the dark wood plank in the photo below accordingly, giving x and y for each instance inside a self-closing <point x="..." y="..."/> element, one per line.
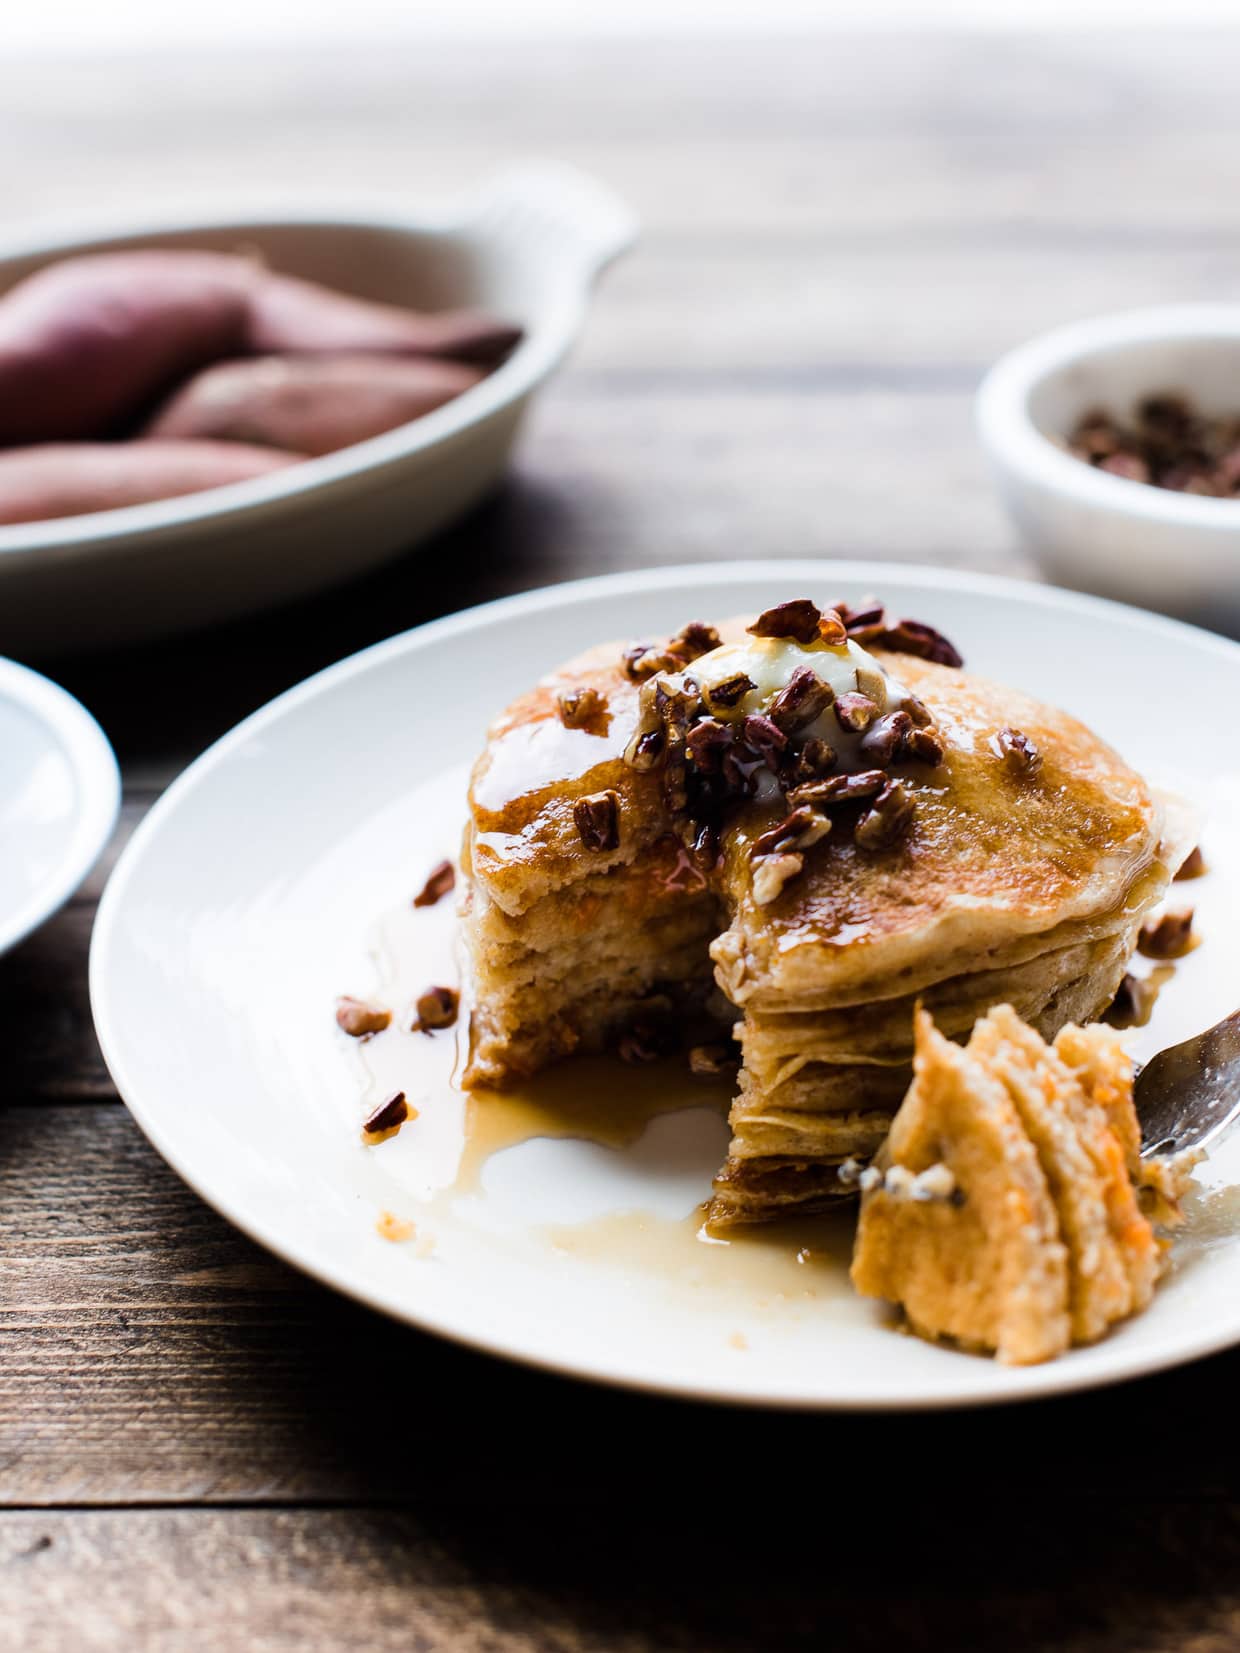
<point x="673" y="1571"/>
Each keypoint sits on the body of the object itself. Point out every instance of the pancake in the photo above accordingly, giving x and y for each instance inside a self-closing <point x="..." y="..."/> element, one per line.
<point x="656" y="844"/>
<point x="1007" y="1208"/>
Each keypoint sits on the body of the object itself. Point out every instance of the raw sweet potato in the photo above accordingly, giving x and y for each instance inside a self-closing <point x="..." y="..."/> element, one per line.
<point x="310" y="404"/>
<point x="87" y="343"/>
<point x="58" y="479"/>
<point x="291" y="315"/>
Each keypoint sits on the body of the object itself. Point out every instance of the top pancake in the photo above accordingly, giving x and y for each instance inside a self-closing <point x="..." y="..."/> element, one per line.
<point x="992" y="865"/>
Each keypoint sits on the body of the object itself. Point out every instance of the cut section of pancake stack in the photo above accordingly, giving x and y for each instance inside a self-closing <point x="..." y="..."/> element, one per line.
<point x="648" y="814"/>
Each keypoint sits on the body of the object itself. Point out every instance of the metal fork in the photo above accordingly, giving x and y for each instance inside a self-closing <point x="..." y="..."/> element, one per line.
<point x="1189" y="1094"/>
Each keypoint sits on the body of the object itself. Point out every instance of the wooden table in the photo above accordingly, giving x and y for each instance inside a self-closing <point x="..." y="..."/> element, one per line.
<point x="839" y="235"/>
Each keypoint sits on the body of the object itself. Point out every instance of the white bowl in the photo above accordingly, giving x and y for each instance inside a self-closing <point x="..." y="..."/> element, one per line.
<point x="1178" y="553"/>
<point x="527" y="246"/>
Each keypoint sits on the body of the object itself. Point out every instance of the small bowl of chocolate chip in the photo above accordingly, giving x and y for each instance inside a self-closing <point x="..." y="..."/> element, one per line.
<point x="1116" y="445"/>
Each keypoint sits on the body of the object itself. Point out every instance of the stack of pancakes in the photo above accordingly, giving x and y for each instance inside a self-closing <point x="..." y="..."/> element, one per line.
<point x="1025" y="888"/>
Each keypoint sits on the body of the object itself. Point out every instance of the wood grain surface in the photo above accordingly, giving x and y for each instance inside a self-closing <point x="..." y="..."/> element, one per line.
<point x="201" y="1450"/>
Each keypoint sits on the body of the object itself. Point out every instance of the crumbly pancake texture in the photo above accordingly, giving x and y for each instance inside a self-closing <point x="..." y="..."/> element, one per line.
<point x="1005" y="1209"/>
<point x="793" y="836"/>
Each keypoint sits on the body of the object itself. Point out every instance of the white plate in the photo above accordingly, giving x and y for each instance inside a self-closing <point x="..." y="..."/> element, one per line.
<point x="247" y="899"/>
<point x="59" y="794"/>
<point x="528" y="246"/>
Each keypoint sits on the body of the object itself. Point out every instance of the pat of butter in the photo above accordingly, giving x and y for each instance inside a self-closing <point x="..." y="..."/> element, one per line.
<point x="769" y="662"/>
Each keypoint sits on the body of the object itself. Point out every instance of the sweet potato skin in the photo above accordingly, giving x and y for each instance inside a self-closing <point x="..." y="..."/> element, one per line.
<point x="309" y="404"/>
<point x="86" y="343"/>
<point x="68" y="479"/>
<point x="288" y="315"/>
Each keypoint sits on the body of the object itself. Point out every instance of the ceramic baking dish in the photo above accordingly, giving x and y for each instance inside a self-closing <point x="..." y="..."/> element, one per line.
<point x="526" y="246"/>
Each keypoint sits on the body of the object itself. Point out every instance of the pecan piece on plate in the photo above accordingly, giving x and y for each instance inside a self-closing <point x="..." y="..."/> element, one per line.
<point x="440" y="881"/>
<point x="360" y="1020"/>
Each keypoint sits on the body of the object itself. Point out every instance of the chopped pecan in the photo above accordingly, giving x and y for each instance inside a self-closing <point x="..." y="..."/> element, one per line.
<point x="886" y="737"/>
<point x="815" y="759"/>
<point x="707" y="741"/>
<point x="797" y="619"/>
<point x="597" y="816"/>
<point x="917" y="710"/>
<point x="766" y="738"/>
<point x="647" y="751"/>
<point x="360" y="1020"/>
<point x="694" y="640"/>
<point x="440" y="880"/>
<point x="580" y="707"/>
<point x="863" y="623"/>
<point x="797" y="831"/>
<point x="831" y="628"/>
<point x="1134" y="1000"/>
<point x="924" y="746"/>
<point x="436" y="1007"/>
<point x="771" y="873"/>
<point x="1169" y="936"/>
<point x="839" y="789"/>
<point x="713" y="1061"/>
<point x="1020" y="756"/>
<point x="915" y="637"/>
<point x="888" y="817"/>
<point x="855" y="712"/>
<point x="730" y="691"/>
<point x="1194" y="866"/>
<point x="388" y="1115"/>
<point x="643" y="660"/>
<point x="802" y="699"/>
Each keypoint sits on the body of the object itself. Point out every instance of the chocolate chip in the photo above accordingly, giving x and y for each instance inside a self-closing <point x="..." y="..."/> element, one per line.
<point x="439" y="882"/>
<point x="1020" y="756"/>
<point x="580" y="707"/>
<point x="360" y="1020"/>
<point x="855" y="712"/>
<point x="797" y="620"/>
<point x="597" y="816"/>
<point x="730" y="691"/>
<point x="1167" y="937"/>
<point x="694" y="640"/>
<point x="888" y="818"/>
<point x="797" y="831"/>
<point x="436" y="1007"/>
<point x="915" y="637"/>
<point x="388" y="1115"/>
<point x="713" y="1061"/>
<point x="1194" y="866"/>
<point x="802" y="699"/>
<point x="885" y="737"/>
<point x="839" y="789"/>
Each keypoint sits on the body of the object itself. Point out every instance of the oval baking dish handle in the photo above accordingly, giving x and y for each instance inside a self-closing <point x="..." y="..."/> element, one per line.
<point x="557" y="211"/>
